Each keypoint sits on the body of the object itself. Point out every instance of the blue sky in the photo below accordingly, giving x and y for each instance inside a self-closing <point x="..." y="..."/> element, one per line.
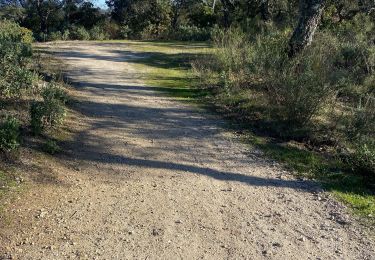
<point x="100" y="3"/>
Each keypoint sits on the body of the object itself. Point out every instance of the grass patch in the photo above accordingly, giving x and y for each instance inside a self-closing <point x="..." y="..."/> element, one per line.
<point x="166" y="65"/>
<point x="349" y="188"/>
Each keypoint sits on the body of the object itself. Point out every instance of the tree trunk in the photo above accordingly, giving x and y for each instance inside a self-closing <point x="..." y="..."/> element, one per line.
<point x="310" y="15"/>
<point x="227" y="9"/>
<point x="265" y="10"/>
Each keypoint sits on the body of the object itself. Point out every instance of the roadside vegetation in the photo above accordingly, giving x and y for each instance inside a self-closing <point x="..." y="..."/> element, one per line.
<point x="31" y="106"/>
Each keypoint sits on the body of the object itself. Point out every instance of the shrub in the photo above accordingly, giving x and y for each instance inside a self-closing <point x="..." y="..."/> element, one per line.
<point x="98" y="33"/>
<point x="50" y="112"/>
<point x="112" y="29"/>
<point x="298" y="87"/>
<point x="153" y="31"/>
<point x="51" y="147"/>
<point x="79" y="33"/>
<point x="9" y="134"/>
<point x="362" y="160"/>
<point x="234" y="55"/>
<point x="65" y="35"/>
<point x="329" y="81"/>
<point x="53" y="91"/>
<point x="55" y="36"/>
<point x="15" y="55"/>
<point x="191" y="33"/>
<point x="124" y="32"/>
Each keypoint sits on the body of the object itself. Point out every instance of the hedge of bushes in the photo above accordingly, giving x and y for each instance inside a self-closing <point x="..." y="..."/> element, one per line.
<point x="325" y="95"/>
<point x="113" y="31"/>
<point x="21" y="84"/>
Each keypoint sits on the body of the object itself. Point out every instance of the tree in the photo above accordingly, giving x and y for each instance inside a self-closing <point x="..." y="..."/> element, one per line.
<point x="86" y="15"/>
<point x="153" y="16"/>
<point x="310" y="15"/>
<point x="228" y="8"/>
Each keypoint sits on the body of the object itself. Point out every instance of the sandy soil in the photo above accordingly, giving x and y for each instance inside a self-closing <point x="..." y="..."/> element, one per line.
<point x="149" y="177"/>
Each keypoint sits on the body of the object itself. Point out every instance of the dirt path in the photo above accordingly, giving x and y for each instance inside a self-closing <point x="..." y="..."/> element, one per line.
<point x="148" y="177"/>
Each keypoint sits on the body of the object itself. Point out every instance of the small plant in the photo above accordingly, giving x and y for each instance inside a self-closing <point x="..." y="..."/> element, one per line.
<point x="9" y="134"/>
<point x="124" y="32"/>
<point x="55" y="36"/>
<point x="51" y="147"/>
<point x="362" y="160"/>
<point x="97" y="33"/>
<point x="52" y="91"/>
<point x="79" y="33"/>
<point x="65" y="35"/>
<point x="36" y="115"/>
<point x="15" y="56"/>
<point x="191" y="33"/>
<point x="50" y="112"/>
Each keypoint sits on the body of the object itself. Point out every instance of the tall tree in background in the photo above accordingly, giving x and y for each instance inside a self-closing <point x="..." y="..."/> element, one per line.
<point x="228" y="8"/>
<point x="87" y="15"/>
<point x="47" y="12"/>
<point x="310" y="15"/>
<point x="142" y="15"/>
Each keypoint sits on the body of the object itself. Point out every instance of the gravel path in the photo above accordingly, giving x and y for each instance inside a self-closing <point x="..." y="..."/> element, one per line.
<point x="149" y="177"/>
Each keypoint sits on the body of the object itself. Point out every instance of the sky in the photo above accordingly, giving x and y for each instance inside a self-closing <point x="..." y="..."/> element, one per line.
<point x="100" y="3"/>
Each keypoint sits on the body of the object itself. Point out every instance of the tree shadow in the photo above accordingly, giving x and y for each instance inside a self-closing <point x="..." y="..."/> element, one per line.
<point x="162" y="124"/>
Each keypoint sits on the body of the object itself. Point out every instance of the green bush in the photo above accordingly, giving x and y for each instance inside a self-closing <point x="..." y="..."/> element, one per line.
<point x="361" y="122"/>
<point x="15" y="56"/>
<point x="54" y="92"/>
<point x="98" y="33"/>
<point x="362" y="160"/>
<point x="191" y="33"/>
<point x="234" y="55"/>
<point x="50" y="112"/>
<point x="51" y="147"/>
<point x="65" y="35"/>
<point x="112" y="29"/>
<point x="9" y="134"/>
<point x="298" y="87"/>
<point x="124" y="32"/>
<point x="55" y="36"/>
<point x="79" y="33"/>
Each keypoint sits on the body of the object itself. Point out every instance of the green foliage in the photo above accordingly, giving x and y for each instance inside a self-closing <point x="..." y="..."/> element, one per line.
<point x="362" y="159"/>
<point x="15" y="54"/>
<point x="53" y="91"/>
<point x="51" y="147"/>
<point x="9" y="134"/>
<point x="79" y="33"/>
<point x="191" y="33"/>
<point x="51" y="111"/>
<point x="361" y="122"/>
<point x="98" y="33"/>
<point x="65" y="35"/>
<point x="124" y="32"/>
<point x="55" y="36"/>
<point x="147" y="19"/>
<point x="234" y="55"/>
<point x="324" y="95"/>
<point x="298" y="87"/>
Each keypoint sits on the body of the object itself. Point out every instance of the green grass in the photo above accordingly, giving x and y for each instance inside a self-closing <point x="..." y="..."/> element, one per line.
<point x="166" y="65"/>
<point x="329" y="171"/>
